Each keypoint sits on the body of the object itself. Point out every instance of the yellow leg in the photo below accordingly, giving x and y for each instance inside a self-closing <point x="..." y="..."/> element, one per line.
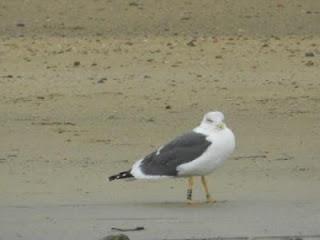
<point x="205" y="186"/>
<point x="189" y="190"/>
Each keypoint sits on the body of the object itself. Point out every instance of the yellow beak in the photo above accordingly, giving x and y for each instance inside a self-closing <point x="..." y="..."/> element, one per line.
<point x="221" y="125"/>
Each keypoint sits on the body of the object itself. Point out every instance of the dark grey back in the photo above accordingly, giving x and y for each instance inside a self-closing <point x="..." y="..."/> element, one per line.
<point x="181" y="150"/>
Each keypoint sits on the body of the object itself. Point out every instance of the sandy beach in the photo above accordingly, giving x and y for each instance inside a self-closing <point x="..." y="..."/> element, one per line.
<point x="88" y="88"/>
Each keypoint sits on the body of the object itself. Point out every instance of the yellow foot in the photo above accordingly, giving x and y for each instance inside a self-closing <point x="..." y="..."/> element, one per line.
<point x="191" y="203"/>
<point x="211" y="200"/>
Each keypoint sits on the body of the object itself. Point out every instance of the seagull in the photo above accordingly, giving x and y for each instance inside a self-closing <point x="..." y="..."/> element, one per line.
<point x="195" y="153"/>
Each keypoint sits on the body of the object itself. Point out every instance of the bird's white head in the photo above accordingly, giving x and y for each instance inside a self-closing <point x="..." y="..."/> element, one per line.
<point x="213" y="121"/>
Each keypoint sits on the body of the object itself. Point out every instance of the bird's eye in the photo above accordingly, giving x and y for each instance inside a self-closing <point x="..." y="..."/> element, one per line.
<point x="209" y="120"/>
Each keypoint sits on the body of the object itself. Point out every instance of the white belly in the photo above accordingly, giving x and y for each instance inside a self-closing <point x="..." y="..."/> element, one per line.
<point x="223" y="144"/>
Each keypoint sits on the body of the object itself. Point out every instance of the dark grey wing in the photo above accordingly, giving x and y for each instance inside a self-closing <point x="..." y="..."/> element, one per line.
<point x="181" y="150"/>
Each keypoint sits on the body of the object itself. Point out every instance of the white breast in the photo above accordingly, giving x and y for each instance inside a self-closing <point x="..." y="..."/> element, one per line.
<point x="223" y="144"/>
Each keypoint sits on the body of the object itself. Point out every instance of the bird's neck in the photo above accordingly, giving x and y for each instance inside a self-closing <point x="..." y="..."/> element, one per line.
<point x="205" y="129"/>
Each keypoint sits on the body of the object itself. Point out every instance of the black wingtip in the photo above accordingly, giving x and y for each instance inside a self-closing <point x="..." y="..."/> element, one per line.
<point x="111" y="178"/>
<point x="121" y="175"/>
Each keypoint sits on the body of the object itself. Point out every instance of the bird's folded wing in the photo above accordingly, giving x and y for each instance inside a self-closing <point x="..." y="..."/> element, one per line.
<point x="182" y="149"/>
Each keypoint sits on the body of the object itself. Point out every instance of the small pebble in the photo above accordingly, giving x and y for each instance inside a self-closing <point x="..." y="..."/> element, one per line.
<point x="76" y="63"/>
<point x="191" y="43"/>
<point x="150" y="119"/>
<point x="133" y="4"/>
<point x="309" y="54"/>
<point x="309" y="63"/>
<point x="102" y="80"/>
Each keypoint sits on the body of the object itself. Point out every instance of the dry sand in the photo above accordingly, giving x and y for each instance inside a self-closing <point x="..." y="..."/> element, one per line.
<point x="84" y="99"/>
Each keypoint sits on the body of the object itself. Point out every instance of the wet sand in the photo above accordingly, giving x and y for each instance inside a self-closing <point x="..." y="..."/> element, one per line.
<point x="80" y="107"/>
